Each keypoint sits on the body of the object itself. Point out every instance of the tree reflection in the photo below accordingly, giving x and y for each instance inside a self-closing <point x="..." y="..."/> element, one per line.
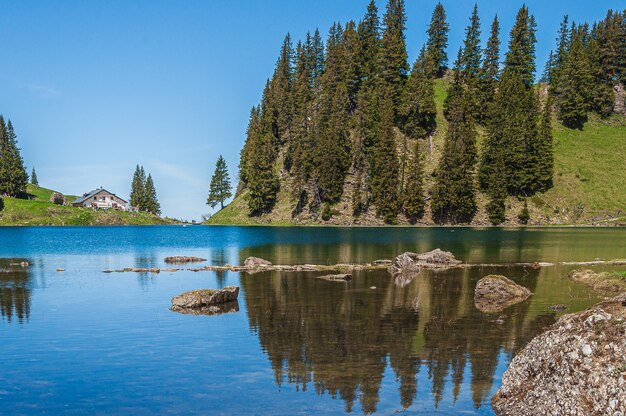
<point x="14" y="290"/>
<point x="340" y="338"/>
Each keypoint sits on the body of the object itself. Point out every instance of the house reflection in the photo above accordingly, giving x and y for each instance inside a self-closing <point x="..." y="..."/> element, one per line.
<point x="340" y="338"/>
<point x="14" y="290"/>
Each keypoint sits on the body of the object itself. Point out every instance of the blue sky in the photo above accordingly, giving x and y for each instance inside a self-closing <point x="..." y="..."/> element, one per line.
<point x="95" y="87"/>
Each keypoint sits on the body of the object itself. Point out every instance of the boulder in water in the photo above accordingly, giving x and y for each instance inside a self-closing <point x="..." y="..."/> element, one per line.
<point x="576" y="367"/>
<point x="204" y="297"/>
<point x="412" y="262"/>
<point x="255" y="262"/>
<point x="494" y="293"/>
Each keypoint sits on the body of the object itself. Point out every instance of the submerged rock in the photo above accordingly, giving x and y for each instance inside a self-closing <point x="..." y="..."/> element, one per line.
<point x="412" y="262"/>
<point x="494" y="293"/>
<point x="602" y="282"/>
<point x="183" y="259"/>
<point x="254" y="262"/>
<point x="336" y="277"/>
<point x="228" y="307"/>
<point x="559" y="307"/>
<point x="577" y="367"/>
<point x="204" y="297"/>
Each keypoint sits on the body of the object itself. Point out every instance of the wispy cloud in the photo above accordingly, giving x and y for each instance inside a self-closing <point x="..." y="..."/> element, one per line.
<point x="41" y="91"/>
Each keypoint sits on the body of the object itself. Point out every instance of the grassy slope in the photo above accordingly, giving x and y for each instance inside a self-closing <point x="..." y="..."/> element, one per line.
<point x="39" y="211"/>
<point x="588" y="183"/>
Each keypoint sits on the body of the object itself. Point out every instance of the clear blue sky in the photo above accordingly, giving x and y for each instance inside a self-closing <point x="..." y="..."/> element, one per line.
<point x="95" y="87"/>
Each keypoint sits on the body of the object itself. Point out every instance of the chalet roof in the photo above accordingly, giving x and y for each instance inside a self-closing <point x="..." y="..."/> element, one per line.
<point x="93" y="193"/>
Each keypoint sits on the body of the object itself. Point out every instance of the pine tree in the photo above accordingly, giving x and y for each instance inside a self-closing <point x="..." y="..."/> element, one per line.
<point x="384" y="180"/>
<point x="545" y="150"/>
<point x="13" y="176"/>
<point x="497" y="192"/>
<point x="33" y="177"/>
<point x="151" y="201"/>
<point x="393" y="55"/>
<point x="220" y="188"/>
<point x="471" y="60"/>
<point x="137" y="190"/>
<point x="263" y="182"/>
<point x="414" y="202"/>
<point x="369" y="39"/>
<point x="524" y="215"/>
<point x="419" y="113"/>
<point x="560" y="57"/>
<point x="438" y="39"/>
<point x="489" y="73"/>
<point x="453" y="196"/>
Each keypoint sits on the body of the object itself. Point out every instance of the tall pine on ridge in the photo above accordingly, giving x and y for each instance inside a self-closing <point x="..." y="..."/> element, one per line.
<point x="219" y="189"/>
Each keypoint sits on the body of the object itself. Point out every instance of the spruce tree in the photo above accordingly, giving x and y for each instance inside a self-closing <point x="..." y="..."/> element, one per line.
<point x="545" y="150"/>
<point x="137" y="190"/>
<point x="369" y="39"/>
<point x="33" y="177"/>
<point x="220" y="188"/>
<point x="419" y="113"/>
<point x="438" y="39"/>
<point x="471" y="60"/>
<point x="524" y="215"/>
<point x="263" y="182"/>
<point x="497" y="192"/>
<point x="151" y="201"/>
<point x="453" y="196"/>
<point x="414" y="202"/>
<point x="13" y="176"/>
<point x="384" y="170"/>
<point x="489" y="73"/>
<point x="393" y="55"/>
<point x="560" y="57"/>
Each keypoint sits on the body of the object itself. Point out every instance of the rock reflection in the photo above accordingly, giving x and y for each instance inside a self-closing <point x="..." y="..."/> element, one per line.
<point x="340" y="339"/>
<point x="14" y="290"/>
<point x="228" y="307"/>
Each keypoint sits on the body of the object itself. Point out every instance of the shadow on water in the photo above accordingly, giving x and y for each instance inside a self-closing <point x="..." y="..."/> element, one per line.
<point x="15" y="291"/>
<point x="340" y="338"/>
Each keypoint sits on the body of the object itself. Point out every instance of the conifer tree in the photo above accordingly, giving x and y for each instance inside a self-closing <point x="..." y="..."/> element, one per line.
<point x="137" y="189"/>
<point x="545" y="149"/>
<point x="393" y="55"/>
<point x="438" y="39"/>
<point x="414" y="202"/>
<point x="384" y="180"/>
<point x="13" y="176"/>
<point x="151" y="201"/>
<point x="281" y="91"/>
<point x="369" y="39"/>
<point x="220" y="188"/>
<point x="471" y="60"/>
<point x="524" y="215"/>
<point x="453" y="196"/>
<point x="489" y="73"/>
<point x="560" y="56"/>
<point x="263" y="182"/>
<point x="33" y="177"/>
<point x="497" y="191"/>
<point x="418" y="112"/>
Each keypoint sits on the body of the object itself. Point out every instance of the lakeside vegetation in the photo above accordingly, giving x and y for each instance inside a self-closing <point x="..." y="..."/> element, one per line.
<point x="38" y="210"/>
<point x="347" y="133"/>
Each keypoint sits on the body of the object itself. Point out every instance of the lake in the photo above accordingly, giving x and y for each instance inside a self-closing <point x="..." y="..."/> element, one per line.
<point x="87" y="342"/>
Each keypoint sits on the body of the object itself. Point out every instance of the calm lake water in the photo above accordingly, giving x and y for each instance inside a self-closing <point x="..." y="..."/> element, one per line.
<point x="86" y="342"/>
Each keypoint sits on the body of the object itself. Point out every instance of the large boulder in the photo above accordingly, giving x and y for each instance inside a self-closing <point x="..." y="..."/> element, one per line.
<point x="255" y="262"/>
<point x="494" y="293"/>
<point x="577" y="367"/>
<point x="57" y="198"/>
<point x="204" y="297"/>
<point x="412" y="262"/>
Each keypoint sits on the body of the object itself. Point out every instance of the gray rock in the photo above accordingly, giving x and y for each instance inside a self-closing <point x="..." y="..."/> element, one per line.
<point x="494" y="293"/>
<point x="577" y="367"/>
<point x="254" y="262"/>
<point x="57" y="198"/>
<point x="183" y="259"/>
<point x="412" y="262"/>
<point x="559" y="307"/>
<point x="228" y="307"/>
<point x="204" y="298"/>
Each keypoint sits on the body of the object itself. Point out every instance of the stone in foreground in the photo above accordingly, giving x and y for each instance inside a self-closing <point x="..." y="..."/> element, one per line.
<point x="183" y="259"/>
<point x="254" y="262"/>
<point x="412" y="262"/>
<point x="577" y="367"/>
<point x="494" y="293"/>
<point x="336" y="277"/>
<point x="222" y="308"/>
<point x="204" y="297"/>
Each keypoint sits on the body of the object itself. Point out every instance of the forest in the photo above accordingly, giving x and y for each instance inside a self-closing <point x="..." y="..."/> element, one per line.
<point x="347" y="119"/>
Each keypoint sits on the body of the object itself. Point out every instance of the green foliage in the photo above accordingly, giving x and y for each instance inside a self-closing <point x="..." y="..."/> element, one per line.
<point x="33" y="178"/>
<point x="438" y="39"/>
<point x="497" y="192"/>
<point x="393" y="55"/>
<point x="137" y="189"/>
<point x="152" y="203"/>
<point x="13" y="176"/>
<point x="220" y="188"/>
<point x="326" y="212"/>
<point x="414" y="202"/>
<point x="524" y="215"/>
<point x="418" y="112"/>
<point x="489" y="74"/>
<point x="1" y="204"/>
<point x="262" y="177"/>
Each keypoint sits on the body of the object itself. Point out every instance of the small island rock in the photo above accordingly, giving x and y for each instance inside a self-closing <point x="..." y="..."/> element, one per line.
<point x="412" y="262"/>
<point x="204" y="297"/>
<point x="577" y="367"/>
<point x="494" y="293"/>
<point x="254" y="262"/>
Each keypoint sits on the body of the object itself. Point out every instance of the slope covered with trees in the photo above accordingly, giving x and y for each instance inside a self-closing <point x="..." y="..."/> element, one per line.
<point x="348" y="133"/>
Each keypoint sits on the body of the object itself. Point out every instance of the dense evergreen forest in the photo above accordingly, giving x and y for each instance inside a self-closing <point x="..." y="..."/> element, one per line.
<point x="348" y="119"/>
<point x="13" y="176"/>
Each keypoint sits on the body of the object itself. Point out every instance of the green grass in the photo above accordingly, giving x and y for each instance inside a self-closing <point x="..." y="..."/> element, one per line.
<point x="38" y="210"/>
<point x="588" y="186"/>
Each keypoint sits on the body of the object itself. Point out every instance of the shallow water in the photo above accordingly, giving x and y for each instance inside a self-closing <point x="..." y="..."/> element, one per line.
<point x="82" y="341"/>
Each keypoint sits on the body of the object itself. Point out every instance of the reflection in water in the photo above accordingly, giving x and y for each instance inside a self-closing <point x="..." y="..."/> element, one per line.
<point x="14" y="290"/>
<point x="228" y="307"/>
<point x="341" y="338"/>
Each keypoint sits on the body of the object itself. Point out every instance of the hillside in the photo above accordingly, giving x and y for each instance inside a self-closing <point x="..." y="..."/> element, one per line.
<point x="38" y="210"/>
<point x="588" y="183"/>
